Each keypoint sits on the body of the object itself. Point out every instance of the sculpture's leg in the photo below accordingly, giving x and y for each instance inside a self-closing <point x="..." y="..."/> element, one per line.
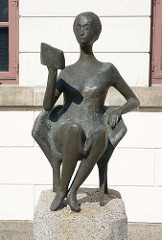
<point x="106" y="184"/>
<point x="102" y="165"/>
<point x="86" y="166"/>
<point x="102" y="180"/>
<point x="56" y="176"/>
<point x="71" y="149"/>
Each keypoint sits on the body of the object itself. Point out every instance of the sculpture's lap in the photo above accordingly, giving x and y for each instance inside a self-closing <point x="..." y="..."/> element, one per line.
<point x="49" y="131"/>
<point x="62" y="132"/>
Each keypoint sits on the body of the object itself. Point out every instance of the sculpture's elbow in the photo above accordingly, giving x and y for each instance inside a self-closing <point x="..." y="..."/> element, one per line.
<point x="47" y="106"/>
<point x="136" y="103"/>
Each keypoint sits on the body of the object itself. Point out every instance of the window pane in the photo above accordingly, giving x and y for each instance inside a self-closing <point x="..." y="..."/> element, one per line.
<point x="4" y="61"/>
<point x="3" y="10"/>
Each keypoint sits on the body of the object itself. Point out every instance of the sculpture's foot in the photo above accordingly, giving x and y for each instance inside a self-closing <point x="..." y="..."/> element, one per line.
<point x="64" y="203"/>
<point x="57" y="202"/>
<point x="73" y="203"/>
<point x="102" y="201"/>
<point x="101" y="198"/>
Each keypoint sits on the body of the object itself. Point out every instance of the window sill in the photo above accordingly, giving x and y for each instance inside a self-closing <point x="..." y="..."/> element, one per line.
<point x="16" y="96"/>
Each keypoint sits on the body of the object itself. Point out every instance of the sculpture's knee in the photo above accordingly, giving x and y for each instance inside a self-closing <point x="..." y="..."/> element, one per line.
<point x="72" y="139"/>
<point x="75" y="131"/>
<point x="101" y="135"/>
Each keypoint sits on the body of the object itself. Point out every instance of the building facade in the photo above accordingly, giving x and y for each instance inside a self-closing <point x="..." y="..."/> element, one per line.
<point x="129" y="41"/>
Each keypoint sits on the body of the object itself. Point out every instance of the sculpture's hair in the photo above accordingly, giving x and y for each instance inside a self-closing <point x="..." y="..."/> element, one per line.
<point x="95" y="21"/>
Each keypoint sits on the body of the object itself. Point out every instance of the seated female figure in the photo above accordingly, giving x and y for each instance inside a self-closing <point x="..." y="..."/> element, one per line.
<point x="83" y="129"/>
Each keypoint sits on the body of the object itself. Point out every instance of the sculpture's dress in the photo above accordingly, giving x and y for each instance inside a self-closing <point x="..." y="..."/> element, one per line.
<point x="84" y="106"/>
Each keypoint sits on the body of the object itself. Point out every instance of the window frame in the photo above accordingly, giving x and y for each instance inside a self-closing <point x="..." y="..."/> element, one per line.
<point x="11" y="76"/>
<point x="156" y="48"/>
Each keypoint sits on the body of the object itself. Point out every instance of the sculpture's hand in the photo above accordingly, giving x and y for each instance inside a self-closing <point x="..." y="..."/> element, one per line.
<point x="51" y="68"/>
<point x="114" y="117"/>
<point x="52" y="57"/>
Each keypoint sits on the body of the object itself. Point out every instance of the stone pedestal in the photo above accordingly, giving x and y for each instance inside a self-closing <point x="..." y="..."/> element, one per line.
<point x="92" y="223"/>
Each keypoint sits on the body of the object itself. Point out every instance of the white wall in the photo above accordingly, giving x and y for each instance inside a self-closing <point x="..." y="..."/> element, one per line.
<point x="73" y="7"/>
<point x="124" y="41"/>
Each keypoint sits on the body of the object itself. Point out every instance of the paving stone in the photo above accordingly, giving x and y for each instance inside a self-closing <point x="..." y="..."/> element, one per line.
<point x="16" y="230"/>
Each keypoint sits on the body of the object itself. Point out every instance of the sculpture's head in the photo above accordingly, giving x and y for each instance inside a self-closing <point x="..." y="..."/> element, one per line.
<point x="87" y="28"/>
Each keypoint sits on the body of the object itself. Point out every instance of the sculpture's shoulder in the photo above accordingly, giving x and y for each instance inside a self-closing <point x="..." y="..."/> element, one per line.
<point x="108" y="66"/>
<point x="111" y="71"/>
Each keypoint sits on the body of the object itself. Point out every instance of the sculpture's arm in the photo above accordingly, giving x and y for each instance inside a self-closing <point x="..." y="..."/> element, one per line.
<point x="53" y="90"/>
<point x="50" y="97"/>
<point x="125" y="90"/>
<point x="53" y="58"/>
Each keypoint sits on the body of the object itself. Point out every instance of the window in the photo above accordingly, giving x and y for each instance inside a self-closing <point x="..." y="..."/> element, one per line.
<point x="9" y="42"/>
<point x="157" y="42"/>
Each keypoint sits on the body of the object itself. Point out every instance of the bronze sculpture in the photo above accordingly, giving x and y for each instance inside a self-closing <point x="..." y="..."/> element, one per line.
<point x="83" y="128"/>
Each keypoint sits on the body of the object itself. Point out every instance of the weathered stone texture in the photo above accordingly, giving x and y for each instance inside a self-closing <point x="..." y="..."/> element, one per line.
<point x="93" y="222"/>
<point x="16" y="230"/>
<point x="150" y="97"/>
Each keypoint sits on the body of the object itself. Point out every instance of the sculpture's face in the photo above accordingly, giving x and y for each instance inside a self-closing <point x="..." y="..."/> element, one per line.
<point x="84" y="31"/>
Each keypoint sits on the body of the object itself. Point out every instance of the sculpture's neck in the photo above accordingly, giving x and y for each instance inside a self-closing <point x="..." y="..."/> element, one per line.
<point x="86" y="54"/>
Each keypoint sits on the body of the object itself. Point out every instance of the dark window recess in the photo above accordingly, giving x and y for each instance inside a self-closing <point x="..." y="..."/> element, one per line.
<point x="9" y="22"/>
<point x="4" y="47"/>
<point x="3" y="10"/>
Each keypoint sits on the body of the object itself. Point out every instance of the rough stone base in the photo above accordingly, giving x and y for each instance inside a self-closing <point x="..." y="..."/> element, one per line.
<point x="92" y="223"/>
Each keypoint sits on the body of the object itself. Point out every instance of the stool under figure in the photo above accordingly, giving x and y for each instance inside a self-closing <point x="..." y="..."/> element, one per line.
<point x="82" y="128"/>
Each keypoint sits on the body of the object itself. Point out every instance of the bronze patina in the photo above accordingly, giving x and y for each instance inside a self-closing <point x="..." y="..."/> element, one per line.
<point x="83" y="128"/>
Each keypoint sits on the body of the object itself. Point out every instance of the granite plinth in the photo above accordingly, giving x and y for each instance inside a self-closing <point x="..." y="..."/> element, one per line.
<point x="108" y="222"/>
